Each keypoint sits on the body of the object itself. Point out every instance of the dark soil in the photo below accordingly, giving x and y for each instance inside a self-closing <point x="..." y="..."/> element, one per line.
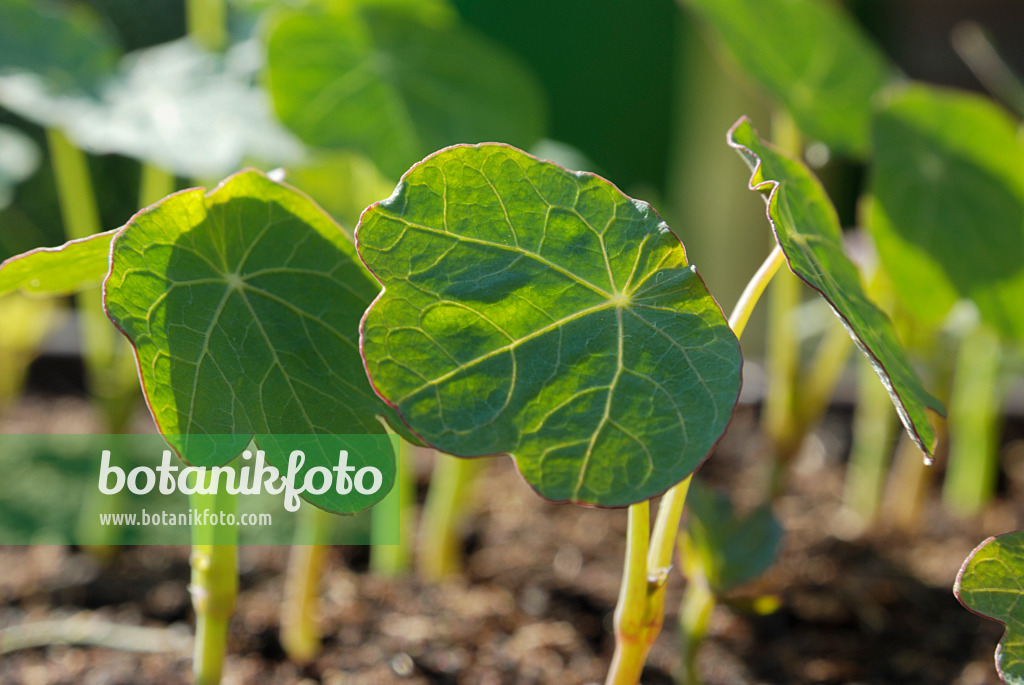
<point x="535" y="600"/>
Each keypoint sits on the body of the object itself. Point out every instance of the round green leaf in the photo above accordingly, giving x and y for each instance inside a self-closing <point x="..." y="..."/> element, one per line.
<point x="396" y="80"/>
<point x="811" y="56"/>
<point x="807" y="228"/>
<point x="990" y="584"/>
<point x="243" y="307"/>
<point x="948" y="210"/>
<point x="540" y="312"/>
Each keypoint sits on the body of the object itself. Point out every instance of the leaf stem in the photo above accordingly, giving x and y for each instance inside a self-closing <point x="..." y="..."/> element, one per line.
<point x="640" y="610"/>
<point x="214" y="586"/>
<point x="974" y="411"/>
<point x="632" y="635"/>
<point x="154" y="185"/>
<point x="439" y="553"/>
<point x="300" y="636"/>
<point x="395" y="512"/>
<point x="207" y="23"/>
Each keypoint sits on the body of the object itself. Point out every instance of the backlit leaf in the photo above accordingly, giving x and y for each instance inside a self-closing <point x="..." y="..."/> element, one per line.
<point x="948" y="210"/>
<point x="807" y="228"/>
<point x="54" y="271"/>
<point x="990" y="584"/>
<point x="396" y="80"/>
<point x="811" y="56"/>
<point x="243" y="307"/>
<point x="540" y="312"/>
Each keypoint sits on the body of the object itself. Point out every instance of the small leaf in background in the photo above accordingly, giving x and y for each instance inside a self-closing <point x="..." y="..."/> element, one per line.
<point x="991" y="584"/>
<point x="54" y="271"/>
<point x="540" y="312"/>
<point x="243" y="307"/>
<point x="811" y="56"/>
<point x="63" y="49"/>
<point x="807" y="228"/>
<point x="948" y="211"/>
<point x="19" y="157"/>
<point x="175" y="105"/>
<point x="732" y="549"/>
<point x="396" y="80"/>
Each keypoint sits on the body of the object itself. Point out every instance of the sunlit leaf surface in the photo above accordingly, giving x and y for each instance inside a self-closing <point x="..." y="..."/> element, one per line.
<point x="540" y="312"/>
<point x="53" y="271"/>
<point x="807" y="228"/>
<point x="243" y="306"/>
<point x="991" y="584"/>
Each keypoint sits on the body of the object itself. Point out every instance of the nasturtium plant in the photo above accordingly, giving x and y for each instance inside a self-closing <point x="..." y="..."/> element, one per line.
<point x="810" y="56"/>
<point x="540" y="312"/>
<point x="397" y="80"/>
<point x="243" y="306"/>
<point x="990" y="585"/>
<point x="730" y="548"/>
<point x="807" y="229"/>
<point x="55" y="271"/>
<point x="948" y="212"/>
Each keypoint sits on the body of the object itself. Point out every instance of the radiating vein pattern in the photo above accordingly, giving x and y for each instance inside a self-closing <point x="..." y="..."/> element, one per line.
<point x="540" y="312"/>
<point x="243" y="307"/>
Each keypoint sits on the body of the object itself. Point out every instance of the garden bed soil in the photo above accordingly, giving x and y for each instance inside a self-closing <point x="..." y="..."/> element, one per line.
<point x="534" y="603"/>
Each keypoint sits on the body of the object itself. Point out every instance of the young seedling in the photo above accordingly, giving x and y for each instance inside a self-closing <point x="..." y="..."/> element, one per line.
<point x="538" y="312"/>
<point x="239" y="341"/>
<point x="396" y="81"/>
<point x="719" y="551"/>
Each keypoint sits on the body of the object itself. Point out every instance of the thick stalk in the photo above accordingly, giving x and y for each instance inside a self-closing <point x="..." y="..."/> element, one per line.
<point x="907" y="490"/>
<point x="818" y="384"/>
<point x="390" y="557"/>
<point x="974" y="409"/>
<point x="641" y="606"/>
<point x="207" y="23"/>
<point x="154" y="184"/>
<point x="874" y="432"/>
<point x="439" y="553"/>
<point x="214" y="586"/>
<point x="694" y="620"/>
<point x="300" y="636"/>
<point x="633" y="636"/>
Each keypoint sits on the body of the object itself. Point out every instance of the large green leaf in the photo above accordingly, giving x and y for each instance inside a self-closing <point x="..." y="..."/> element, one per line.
<point x="396" y="80"/>
<point x="243" y="307"/>
<point x="54" y="271"/>
<point x="990" y="584"/>
<point x="948" y="210"/>
<point x="807" y="228"/>
<point x="811" y="56"/>
<point x="540" y="312"/>
<point x="175" y="105"/>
